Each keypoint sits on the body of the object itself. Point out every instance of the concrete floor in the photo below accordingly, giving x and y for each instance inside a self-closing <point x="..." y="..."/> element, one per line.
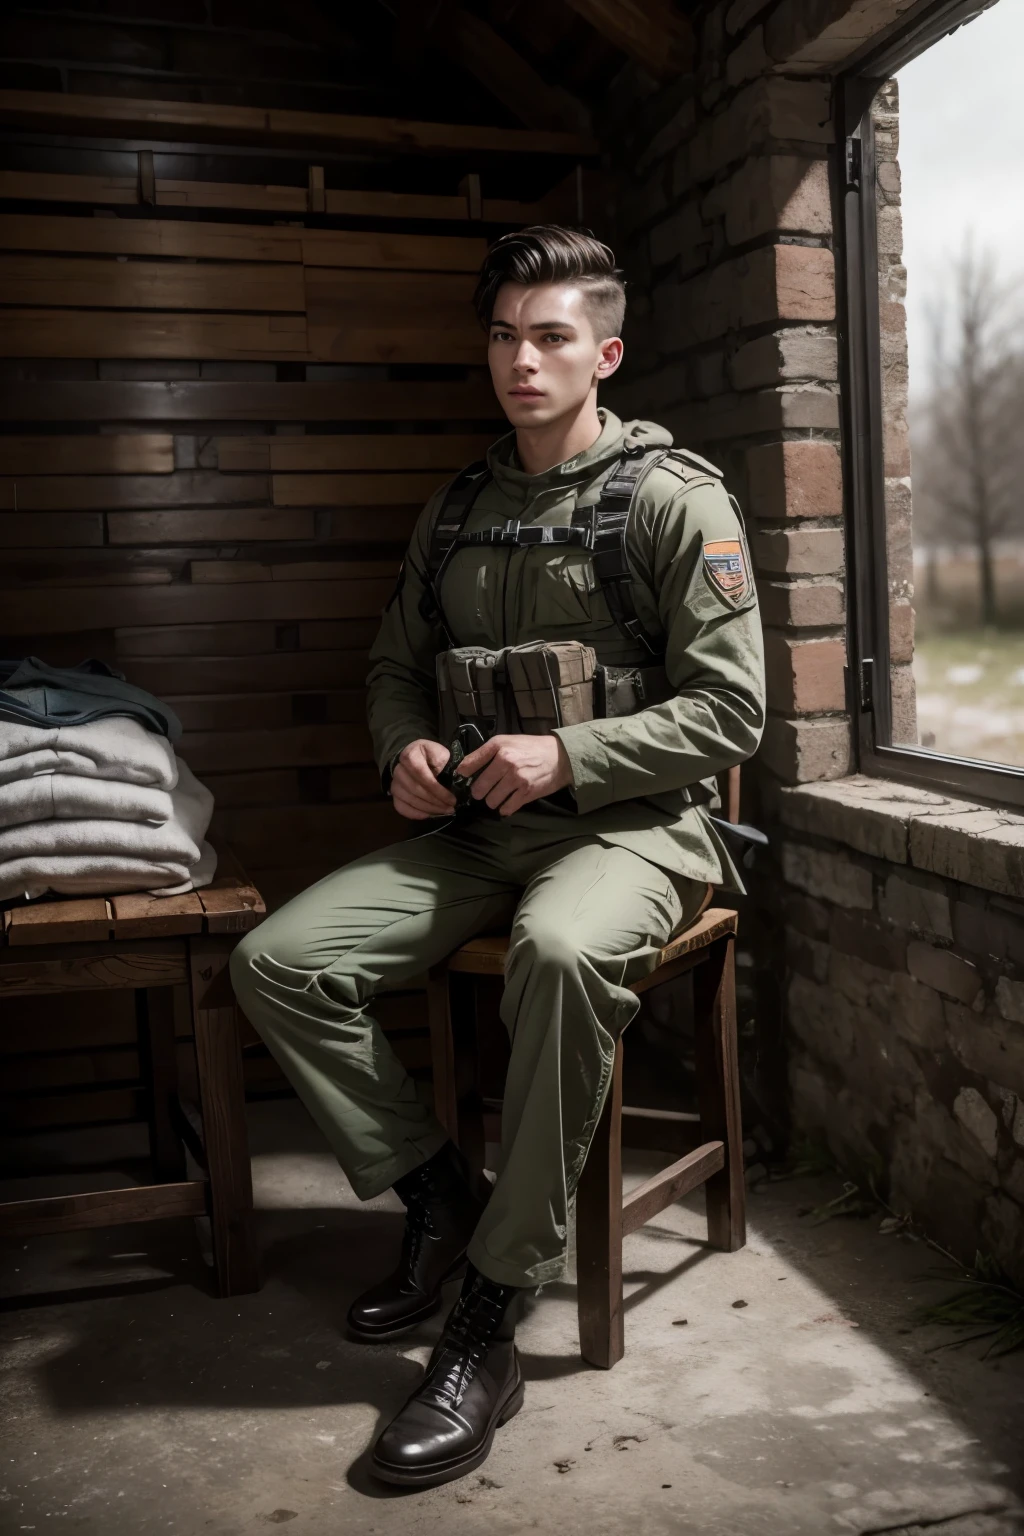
<point x="144" y="1405"/>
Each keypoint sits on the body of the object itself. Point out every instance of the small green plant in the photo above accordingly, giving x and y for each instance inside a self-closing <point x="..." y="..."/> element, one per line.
<point x="988" y="1297"/>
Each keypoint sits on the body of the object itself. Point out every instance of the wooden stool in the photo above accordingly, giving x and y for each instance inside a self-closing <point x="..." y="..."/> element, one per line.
<point x="603" y="1218"/>
<point x="150" y="944"/>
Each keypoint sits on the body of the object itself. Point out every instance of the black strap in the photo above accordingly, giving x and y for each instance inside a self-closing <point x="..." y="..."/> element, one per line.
<point x="515" y="533"/>
<point x="610" y="523"/>
<point x="602" y="529"/>
<point x="445" y="537"/>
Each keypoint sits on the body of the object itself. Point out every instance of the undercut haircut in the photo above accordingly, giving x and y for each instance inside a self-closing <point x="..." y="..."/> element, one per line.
<point x="550" y="253"/>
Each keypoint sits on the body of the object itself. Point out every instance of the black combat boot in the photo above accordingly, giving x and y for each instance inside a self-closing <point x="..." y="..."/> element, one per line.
<point x="444" y="1202"/>
<point x="472" y="1385"/>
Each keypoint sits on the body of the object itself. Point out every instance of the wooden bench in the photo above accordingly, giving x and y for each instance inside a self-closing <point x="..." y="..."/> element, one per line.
<point x="151" y="944"/>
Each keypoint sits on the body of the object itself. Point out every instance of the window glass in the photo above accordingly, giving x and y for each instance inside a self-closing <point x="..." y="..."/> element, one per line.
<point x="949" y="135"/>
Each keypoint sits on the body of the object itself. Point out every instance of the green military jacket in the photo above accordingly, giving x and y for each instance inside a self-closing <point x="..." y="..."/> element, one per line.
<point x="631" y="774"/>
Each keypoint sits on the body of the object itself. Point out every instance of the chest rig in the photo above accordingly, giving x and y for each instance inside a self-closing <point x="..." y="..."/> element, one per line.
<point x="538" y="686"/>
<point x="600" y="529"/>
<point x="535" y="686"/>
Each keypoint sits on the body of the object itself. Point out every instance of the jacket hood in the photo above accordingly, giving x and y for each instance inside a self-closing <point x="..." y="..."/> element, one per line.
<point x="503" y="461"/>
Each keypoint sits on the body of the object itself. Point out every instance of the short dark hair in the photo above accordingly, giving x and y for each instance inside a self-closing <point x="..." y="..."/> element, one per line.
<point x="550" y="253"/>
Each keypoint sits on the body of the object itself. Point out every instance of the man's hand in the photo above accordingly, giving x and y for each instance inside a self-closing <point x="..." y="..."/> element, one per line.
<point x="513" y="770"/>
<point x="414" y="788"/>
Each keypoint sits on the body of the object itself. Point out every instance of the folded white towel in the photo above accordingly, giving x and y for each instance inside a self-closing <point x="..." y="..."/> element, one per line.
<point x="148" y="855"/>
<point x="176" y="838"/>
<point x="90" y="874"/>
<point x="67" y="795"/>
<point x="114" y="747"/>
<point x="198" y="875"/>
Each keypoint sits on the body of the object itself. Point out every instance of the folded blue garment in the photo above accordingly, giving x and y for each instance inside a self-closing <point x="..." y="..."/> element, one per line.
<point x="35" y="694"/>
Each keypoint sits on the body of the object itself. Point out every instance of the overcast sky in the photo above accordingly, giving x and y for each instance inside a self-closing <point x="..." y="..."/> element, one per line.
<point x="962" y="156"/>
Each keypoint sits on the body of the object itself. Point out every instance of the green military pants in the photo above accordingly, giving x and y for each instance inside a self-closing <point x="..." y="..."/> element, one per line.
<point x="587" y="919"/>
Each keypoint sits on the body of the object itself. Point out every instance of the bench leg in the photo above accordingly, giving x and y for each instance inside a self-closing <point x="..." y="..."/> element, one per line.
<point x="599" y="1235"/>
<point x="222" y="1102"/>
<point x="718" y="1092"/>
<point x="154" y="1019"/>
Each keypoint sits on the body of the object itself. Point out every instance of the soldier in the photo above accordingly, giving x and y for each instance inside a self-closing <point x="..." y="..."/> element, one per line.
<point x="591" y="840"/>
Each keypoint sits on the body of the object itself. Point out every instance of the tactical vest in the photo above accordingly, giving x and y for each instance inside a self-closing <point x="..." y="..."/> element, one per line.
<point x="601" y="529"/>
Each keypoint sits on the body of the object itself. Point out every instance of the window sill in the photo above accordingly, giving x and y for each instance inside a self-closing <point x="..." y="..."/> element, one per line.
<point x="905" y="824"/>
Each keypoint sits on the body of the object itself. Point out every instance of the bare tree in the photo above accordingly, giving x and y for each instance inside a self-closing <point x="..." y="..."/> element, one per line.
<point x="967" y="479"/>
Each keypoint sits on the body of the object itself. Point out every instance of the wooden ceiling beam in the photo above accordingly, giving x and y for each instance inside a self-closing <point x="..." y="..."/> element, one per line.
<point x="474" y="45"/>
<point x="653" y="32"/>
<point x="122" y="117"/>
<point x="485" y="54"/>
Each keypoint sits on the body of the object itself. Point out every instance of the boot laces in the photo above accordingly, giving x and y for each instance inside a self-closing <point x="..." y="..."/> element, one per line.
<point x="468" y="1336"/>
<point x="419" y="1220"/>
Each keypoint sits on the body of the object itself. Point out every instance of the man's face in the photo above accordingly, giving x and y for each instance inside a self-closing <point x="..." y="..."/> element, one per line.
<point x="542" y="352"/>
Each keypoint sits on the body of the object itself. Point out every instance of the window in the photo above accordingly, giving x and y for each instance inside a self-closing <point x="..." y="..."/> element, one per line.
<point x="934" y="430"/>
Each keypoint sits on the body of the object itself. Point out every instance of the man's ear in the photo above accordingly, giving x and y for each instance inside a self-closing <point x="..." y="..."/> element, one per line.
<point x="609" y="358"/>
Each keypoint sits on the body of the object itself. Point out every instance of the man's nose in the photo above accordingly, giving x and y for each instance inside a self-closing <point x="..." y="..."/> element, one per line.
<point x="526" y="359"/>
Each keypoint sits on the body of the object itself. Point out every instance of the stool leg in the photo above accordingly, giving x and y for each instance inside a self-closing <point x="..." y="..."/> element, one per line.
<point x="455" y="1059"/>
<point x="222" y="1103"/>
<point x="154" y="1018"/>
<point x="718" y="1092"/>
<point x="599" y="1235"/>
<point x="442" y="1049"/>
<point x="466" y="1068"/>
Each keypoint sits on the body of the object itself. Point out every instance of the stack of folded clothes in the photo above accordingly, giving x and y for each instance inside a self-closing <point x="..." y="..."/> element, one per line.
<point x="92" y="796"/>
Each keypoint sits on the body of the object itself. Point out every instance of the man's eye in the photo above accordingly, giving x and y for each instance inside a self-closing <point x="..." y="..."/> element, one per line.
<point x="501" y="335"/>
<point x="554" y="336"/>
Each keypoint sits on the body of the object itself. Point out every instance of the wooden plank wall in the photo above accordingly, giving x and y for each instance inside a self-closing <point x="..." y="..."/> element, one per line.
<point x="218" y="429"/>
<point x="234" y="566"/>
<point x="178" y="497"/>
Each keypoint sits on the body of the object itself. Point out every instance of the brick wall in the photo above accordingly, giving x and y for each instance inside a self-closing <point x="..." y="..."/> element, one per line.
<point x="725" y="230"/>
<point x="886" y="929"/>
<point x="905" y="1000"/>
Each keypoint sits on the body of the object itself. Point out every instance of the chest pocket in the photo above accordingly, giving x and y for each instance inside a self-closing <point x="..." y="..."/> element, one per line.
<point x="471" y="591"/>
<point x="558" y="589"/>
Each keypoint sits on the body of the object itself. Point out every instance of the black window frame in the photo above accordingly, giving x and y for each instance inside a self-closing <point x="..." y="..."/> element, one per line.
<point x="862" y="433"/>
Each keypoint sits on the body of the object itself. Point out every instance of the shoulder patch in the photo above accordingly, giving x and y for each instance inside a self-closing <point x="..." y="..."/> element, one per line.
<point x="693" y="462"/>
<point x="726" y="570"/>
